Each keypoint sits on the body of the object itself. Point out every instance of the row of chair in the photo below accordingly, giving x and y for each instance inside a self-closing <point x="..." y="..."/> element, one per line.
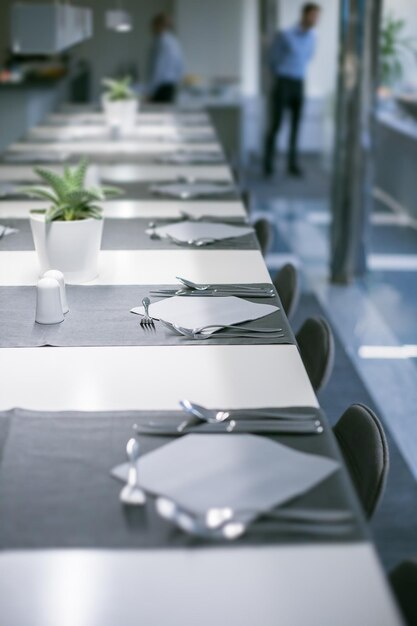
<point x="359" y="432"/>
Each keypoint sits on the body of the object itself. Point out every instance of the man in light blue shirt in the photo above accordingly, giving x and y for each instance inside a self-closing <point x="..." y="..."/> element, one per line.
<point x="166" y="64"/>
<point x="291" y="51"/>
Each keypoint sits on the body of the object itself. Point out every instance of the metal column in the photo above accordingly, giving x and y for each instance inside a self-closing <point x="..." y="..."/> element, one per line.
<point x="353" y="161"/>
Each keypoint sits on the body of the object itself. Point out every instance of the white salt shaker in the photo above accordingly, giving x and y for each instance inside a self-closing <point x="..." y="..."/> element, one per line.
<point x="59" y="276"/>
<point x="48" y="302"/>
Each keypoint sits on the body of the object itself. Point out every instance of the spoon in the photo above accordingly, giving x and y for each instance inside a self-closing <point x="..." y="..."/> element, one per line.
<point x="132" y="494"/>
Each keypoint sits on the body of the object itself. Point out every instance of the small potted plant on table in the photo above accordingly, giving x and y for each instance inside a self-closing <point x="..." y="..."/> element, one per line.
<point x="120" y="104"/>
<point x="67" y="235"/>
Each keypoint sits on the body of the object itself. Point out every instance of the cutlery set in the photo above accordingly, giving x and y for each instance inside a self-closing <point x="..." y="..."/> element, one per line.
<point x="207" y="421"/>
<point x="189" y="288"/>
<point x="233" y="331"/>
<point x="215" y="219"/>
<point x="225" y="523"/>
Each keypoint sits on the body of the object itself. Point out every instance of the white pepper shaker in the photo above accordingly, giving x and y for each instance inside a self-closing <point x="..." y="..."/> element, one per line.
<point x="48" y="302"/>
<point x="59" y="276"/>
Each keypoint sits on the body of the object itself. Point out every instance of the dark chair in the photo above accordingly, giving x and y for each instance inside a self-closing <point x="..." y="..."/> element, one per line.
<point x="316" y="344"/>
<point x="247" y="200"/>
<point x="403" y="581"/>
<point x="286" y="282"/>
<point x="264" y="233"/>
<point x="361" y="438"/>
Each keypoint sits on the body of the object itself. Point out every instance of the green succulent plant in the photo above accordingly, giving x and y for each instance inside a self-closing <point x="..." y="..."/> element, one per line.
<point x="69" y="198"/>
<point x="118" y="89"/>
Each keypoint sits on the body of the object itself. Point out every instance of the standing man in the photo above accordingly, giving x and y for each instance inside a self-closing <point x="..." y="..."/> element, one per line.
<point x="291" y="51"/>
<point x="166" y="64"/>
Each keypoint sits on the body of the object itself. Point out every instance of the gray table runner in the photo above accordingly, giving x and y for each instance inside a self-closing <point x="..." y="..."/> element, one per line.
<point x="56" y="490"/>
<point x="122" y="234"/>
<point x="135" y="190"/>
<point x="100" y="316"/>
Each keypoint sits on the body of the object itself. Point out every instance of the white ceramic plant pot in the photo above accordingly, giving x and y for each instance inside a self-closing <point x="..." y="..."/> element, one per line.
<point x="71" y="247"/>
<point x="120" y="114"/>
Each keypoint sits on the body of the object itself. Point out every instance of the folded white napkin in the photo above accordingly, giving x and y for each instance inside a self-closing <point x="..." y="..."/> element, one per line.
<point x="244" y="472"/>
<point x="193" y="190"/>
<point x="204" y="311"/>
<point x="191" y="231"/>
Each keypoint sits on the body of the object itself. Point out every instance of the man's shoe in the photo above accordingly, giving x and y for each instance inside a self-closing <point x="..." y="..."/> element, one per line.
<point x="295" y="170"/>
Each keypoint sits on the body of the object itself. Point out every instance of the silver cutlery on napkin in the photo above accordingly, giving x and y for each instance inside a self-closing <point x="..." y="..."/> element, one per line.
<point x="259" y="426"/>
<point x="260" y="418"/>
<point x="189" y="217"/>
<point x="132" y="494"/>
<point x="213" y="292"/>
<point x="189" y="284"/>
<point x="214" y="415"/>
<point x="234" y="527"/>
<point x="234" y="331"/>
<point x="212" y="218"/>
<point x="198" y="243"/>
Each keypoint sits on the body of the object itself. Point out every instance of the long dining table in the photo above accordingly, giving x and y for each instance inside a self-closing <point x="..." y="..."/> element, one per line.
<point x="70" y="553"/>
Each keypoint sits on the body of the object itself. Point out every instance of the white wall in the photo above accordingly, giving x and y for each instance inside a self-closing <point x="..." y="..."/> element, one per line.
<point x="209" y="31"/>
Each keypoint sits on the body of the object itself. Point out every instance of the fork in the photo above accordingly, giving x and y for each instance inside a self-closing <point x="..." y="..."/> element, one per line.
<point x="147" y="320"/>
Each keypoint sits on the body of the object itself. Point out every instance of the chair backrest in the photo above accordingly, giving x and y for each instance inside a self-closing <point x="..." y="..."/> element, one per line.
<point x="364" y="447"/>
<point x="287" y="284"/>
<point x="403" y="581"/>
<point x="316" y="344"/>
<point x="264" y="233"/>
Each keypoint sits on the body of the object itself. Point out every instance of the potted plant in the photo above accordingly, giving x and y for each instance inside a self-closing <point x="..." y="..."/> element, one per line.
<point x="120" y="104"/>
<point x="67" y="235"/>
<point x="393" y="49"/>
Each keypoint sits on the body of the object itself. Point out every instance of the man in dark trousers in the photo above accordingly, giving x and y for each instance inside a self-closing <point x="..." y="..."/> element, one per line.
<point x="291" y="51"/>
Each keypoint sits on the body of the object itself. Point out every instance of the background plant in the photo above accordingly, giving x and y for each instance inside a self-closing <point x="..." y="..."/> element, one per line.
<point x="394" y="47"/>
<point x="118" y="89"/>
<point x="69" y="198"/>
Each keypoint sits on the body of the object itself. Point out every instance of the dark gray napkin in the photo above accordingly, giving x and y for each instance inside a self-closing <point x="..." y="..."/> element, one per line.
<point x="56" y="490"/>
<point x="121" y="234"/>
<point x="100" y="316"/>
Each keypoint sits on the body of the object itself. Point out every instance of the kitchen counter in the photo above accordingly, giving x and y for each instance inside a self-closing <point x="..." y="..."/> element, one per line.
<point x="396" y="156"/>
<point x="25" y="104"/>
